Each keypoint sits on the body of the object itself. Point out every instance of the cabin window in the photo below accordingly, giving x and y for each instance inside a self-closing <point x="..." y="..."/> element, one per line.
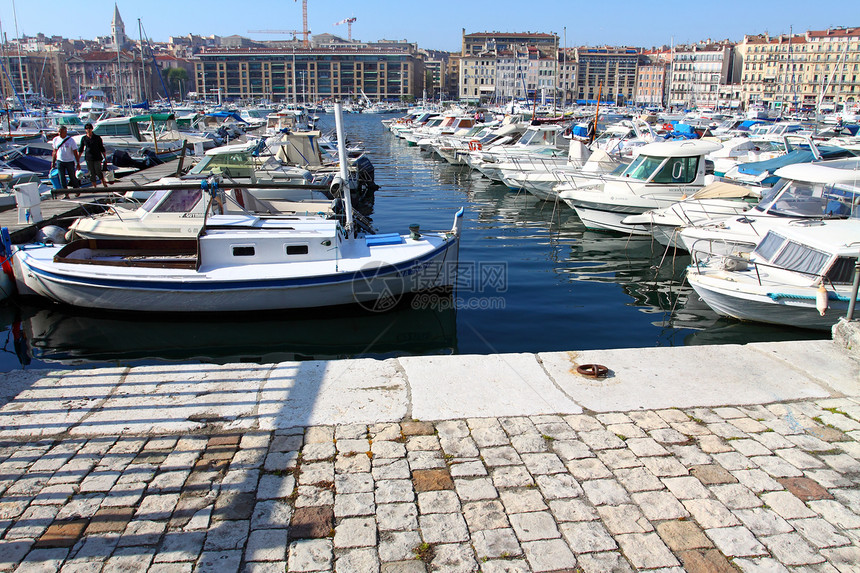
<point x="179" y="201"/>
<point x="243" y="250"/>
<point x="801" y="258"/>
<point x="642" y="167"/>
<point x="768" y="246"/>
<point x="678" y="170"/>
<point x="842" y="271"/>
<point x="297" y="249"/>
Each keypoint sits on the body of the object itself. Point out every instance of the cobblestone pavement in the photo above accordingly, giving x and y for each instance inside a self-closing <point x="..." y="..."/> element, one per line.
<point x="764" y="488"/>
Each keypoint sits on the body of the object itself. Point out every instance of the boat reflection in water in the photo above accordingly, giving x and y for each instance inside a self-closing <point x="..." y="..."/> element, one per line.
<point x="56" y="333"/>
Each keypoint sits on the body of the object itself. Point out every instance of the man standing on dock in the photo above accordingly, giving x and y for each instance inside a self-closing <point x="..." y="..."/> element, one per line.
<point x="67" y="159"/>
<point x="93" y="149"/>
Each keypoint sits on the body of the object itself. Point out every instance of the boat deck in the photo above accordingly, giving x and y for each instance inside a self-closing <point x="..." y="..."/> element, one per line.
<point x="58" y="211"/>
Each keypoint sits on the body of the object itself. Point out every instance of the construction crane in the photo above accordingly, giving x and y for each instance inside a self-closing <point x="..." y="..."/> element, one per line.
<point x="348" y="22"/>
<point x="305" y="30"/>
<point x="279" y="32"/>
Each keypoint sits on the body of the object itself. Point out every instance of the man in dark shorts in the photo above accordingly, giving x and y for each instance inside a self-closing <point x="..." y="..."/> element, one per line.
<point x="93" y="149"/>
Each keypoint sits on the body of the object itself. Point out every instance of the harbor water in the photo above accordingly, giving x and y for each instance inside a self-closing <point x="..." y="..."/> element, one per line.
<point x="531" y="278"/>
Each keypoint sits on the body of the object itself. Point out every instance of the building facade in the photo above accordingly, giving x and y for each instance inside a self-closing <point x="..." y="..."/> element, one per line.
<point x="477" y="77"/>
<point x="819" y="69"/>
<point x="697" y="73"/>
<point x="496" y="42"/>
<point x="118" y="75"/>
<point x="652" y="79"/>
<point x="382" y="71"/>
<point x="610" y="71"/>
<point x="567" y="74"/>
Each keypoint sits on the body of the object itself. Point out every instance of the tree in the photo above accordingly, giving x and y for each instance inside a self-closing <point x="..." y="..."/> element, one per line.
<point x="176" y="78"/>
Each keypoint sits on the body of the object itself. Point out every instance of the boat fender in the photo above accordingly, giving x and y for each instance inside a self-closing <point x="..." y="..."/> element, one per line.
<point x="821" y="299"/>
<point x="336" y="186"/>
<point x="6" y="253"/>
<point x="51" y="234"/>
<point x="732" y="263"/>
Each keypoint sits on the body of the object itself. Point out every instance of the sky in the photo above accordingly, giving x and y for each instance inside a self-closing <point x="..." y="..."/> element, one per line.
<point x="436" y="24"/>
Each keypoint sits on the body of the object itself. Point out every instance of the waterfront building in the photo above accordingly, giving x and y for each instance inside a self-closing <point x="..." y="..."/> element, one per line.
<point x="291" y="72"/>
<point x="477" y="76"/>
<point x="610" y="70"/>
<point x="501" y="66"/>
<point x="118" y="75"/>
<point x="817" y="69"/>
<point x="436" y="73"/>
<point x="482" y="42"/>
<point x="697" y="73"/>
<point x="652" y="78"/>
<point x="567" y="74"/>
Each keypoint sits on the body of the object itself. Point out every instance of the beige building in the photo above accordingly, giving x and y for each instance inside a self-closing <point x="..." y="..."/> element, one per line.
<point x="652" y="78"/>
<point x="820" y="68"/>
<point x="477" y="76"/>
<point x="698" y="72"/>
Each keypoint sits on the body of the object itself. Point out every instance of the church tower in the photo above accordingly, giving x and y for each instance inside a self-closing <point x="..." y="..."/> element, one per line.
<point x="117" y="29"/>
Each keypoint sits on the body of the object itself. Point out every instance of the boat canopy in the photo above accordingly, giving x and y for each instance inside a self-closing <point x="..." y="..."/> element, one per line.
<point x="152" y="117"/>
<point x="687" y="148"/>
<point x="226" y="115"/>
<point x="790" y="158"/>
<point x="821" y="173"/>
<point x="721" y="189"/>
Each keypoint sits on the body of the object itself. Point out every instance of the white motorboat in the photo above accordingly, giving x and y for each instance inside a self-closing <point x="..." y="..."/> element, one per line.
<point x="805" y="190"/>
<point x="799" y="274"/>
<point x="714" y="200"/>
<point x="489" y="160"/>
<point x="244" y="263"/>
<point x="660" y="175"/>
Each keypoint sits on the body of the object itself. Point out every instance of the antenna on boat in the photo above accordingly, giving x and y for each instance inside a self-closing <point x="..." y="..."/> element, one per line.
<point x="346" y="192"/>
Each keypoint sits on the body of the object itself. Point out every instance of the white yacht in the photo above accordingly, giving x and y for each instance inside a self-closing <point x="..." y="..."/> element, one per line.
<point x="805" y="190"/>
<point x="799" y="274"/>
<point x="660" y="175"/>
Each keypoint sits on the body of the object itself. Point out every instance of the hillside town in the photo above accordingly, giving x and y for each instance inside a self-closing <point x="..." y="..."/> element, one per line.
<point x="799" y="71"/>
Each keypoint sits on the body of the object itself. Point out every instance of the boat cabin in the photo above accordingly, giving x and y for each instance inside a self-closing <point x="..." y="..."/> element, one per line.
<point x="827" y="189"/>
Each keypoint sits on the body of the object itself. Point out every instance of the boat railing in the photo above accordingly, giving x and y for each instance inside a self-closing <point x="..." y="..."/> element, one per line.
<point x="737" y="262"/>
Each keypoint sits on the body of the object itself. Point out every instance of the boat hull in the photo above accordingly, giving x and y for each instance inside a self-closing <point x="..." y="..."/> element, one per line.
<point x="373" y="283"/>
<point x="790" y="310"/>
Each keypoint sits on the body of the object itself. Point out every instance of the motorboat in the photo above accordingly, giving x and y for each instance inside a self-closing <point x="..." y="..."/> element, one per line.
<point x="800" y="274"/>
<point x="174" y="210"/>
<point x="661" y="174"/>
<point x="93" y="105"/>
<point x="717" y="199"/>
<point x="241" y="262"/>
<point x="804" y="191"/>
<point x="489" y="160"/>
<point x="157" y="133"/>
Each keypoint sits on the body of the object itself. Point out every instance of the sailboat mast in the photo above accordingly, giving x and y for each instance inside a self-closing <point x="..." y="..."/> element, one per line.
<point x="145" y="94"/>
<point x="20" y="59"/>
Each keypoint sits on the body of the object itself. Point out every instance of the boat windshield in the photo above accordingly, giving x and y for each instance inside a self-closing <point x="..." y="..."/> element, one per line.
<point x="606" y="137"/>
<point x="643" y="167"/>
<point x="172" y="201"/>
<point x="537" y="137"/>
<point x="791" y="255"/>
<point x="806" y="199"/>
<point x="239" y="164"/>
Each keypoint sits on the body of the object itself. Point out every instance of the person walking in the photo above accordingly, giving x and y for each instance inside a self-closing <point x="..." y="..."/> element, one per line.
<point x="93" y="149"/>
<point x="67" y="159"/>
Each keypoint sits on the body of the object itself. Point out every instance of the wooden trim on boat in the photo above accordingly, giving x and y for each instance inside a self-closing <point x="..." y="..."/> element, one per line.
<point x="150" y="253"/>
